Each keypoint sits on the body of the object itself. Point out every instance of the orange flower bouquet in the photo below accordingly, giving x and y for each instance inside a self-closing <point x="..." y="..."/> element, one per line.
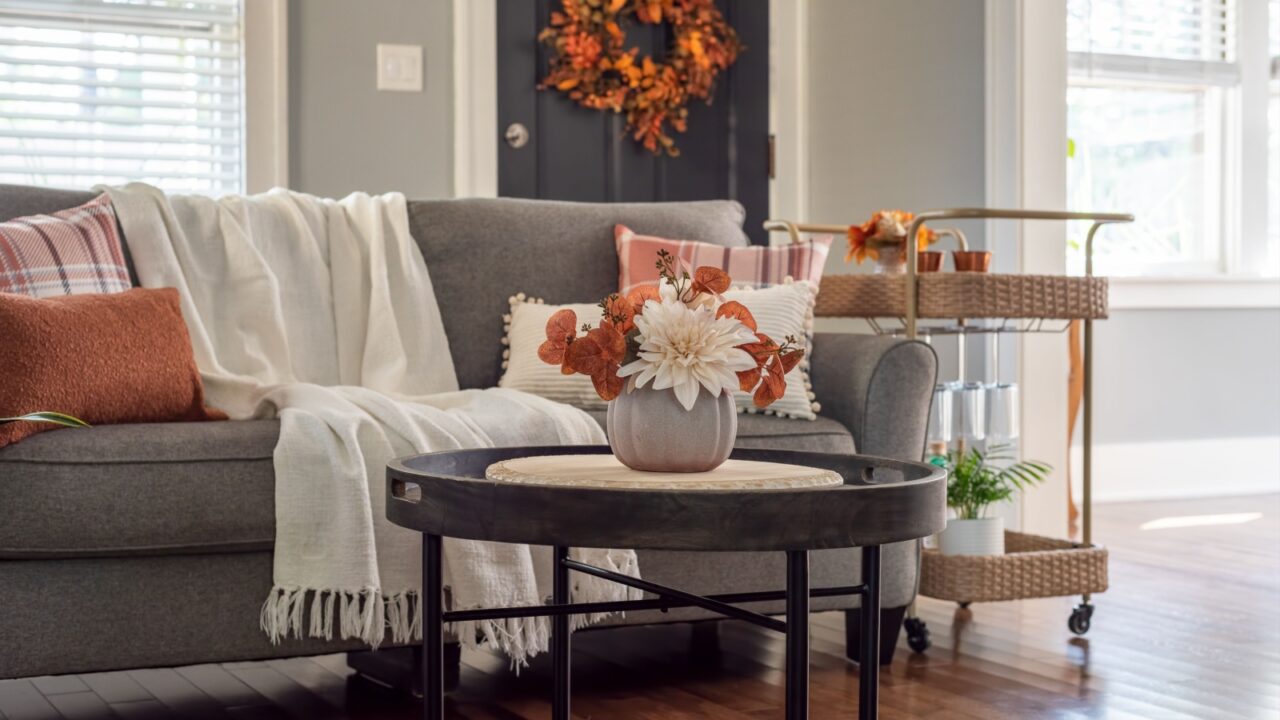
<point x="682" y="336"/>
<point x="886" y="230"/>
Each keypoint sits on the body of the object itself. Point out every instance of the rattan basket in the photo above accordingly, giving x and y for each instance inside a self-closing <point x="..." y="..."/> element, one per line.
<point x="965" y="295"/>
<point x="1032" y="567"/>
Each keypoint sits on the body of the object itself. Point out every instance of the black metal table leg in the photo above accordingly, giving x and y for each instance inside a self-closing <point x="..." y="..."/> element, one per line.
<point x="869" y="668"/>
<point x="432" y="629"/>
<point x="560" y="637"/>
<point x="797" y="635"/>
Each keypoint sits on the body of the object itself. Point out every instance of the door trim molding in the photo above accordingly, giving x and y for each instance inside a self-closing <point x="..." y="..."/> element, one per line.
<point x="788" y="105"/>
<point x="475" y="98"/>
<point x="1026" y="168"/>
<point x="266" y="91"/>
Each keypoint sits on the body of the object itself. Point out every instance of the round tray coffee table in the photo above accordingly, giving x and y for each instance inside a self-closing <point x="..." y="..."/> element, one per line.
<point x="798" y="505"/>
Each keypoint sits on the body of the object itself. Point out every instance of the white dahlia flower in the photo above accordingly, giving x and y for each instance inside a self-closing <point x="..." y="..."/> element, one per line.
<point x="685" y="349"/>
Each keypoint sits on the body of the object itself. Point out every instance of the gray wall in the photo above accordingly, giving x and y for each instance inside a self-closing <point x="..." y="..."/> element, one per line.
<point x="344" y="134"/>
<point x="1187" y="374"/>
<point x="871" y="145"/>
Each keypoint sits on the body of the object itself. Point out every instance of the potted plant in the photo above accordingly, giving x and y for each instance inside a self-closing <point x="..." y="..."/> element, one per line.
<point x="667" y="360"/>
<point x="883" y="238"/>
<point x="977" y="481"/>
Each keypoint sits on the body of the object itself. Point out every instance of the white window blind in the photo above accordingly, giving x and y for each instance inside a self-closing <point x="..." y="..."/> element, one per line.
<point x="113" y="91"/>
<point x="1187" y="41"/>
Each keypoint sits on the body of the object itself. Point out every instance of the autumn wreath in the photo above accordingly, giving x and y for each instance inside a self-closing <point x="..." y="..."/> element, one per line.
<point x="592" y="65"/>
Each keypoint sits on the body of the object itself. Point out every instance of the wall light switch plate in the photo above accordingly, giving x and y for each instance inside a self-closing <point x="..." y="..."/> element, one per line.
<point x="400" y="67"/>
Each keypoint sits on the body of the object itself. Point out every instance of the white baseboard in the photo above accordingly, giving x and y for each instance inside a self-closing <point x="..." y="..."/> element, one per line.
<point x="1181" y="469"/>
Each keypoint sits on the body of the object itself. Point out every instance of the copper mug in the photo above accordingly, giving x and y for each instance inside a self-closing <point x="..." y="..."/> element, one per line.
<point x="971" y="260"/>
<point x="928" y="261"/>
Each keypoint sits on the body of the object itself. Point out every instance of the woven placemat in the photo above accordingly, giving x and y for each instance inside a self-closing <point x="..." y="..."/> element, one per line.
<point x="604" y="471"/>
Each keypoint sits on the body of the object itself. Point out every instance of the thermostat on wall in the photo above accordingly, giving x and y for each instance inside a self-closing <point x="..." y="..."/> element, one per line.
<point x="400" y="67"/>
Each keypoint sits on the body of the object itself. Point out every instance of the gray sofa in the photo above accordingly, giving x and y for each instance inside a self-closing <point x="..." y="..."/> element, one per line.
<point x="151" y="545"/>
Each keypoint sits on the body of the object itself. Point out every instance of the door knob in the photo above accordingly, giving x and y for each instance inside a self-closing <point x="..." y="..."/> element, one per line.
<point x="517" y="135"/>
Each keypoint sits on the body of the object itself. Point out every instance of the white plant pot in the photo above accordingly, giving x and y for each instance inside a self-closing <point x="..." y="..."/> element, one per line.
<point x="984" y="536"/>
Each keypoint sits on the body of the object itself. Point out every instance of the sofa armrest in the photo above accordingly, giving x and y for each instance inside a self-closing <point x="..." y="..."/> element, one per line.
<point x="879" y="387"/>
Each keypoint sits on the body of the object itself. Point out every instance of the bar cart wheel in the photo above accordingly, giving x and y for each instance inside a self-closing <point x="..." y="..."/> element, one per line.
<point x="917" y="635"/>
<point x="1080" y="618"/>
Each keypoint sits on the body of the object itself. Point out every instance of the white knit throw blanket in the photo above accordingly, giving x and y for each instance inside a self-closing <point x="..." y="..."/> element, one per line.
<point x="321" y="312"/>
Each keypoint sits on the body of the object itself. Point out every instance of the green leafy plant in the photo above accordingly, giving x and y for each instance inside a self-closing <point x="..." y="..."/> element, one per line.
<point x="978" y="480"/>
<point x="46" y="417"/>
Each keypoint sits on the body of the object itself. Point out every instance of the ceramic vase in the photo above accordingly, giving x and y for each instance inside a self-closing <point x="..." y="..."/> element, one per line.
<point x="650" y="430"/>
<point x="981" y="536"/>
<point x="891" y="259"/>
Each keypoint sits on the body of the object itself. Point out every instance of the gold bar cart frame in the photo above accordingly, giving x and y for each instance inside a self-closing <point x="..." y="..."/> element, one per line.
<point x="912" y="301"/>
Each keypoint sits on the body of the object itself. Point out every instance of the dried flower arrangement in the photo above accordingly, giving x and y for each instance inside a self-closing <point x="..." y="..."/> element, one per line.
<point x="884" y="229"/>
<point x="682" y="335"/>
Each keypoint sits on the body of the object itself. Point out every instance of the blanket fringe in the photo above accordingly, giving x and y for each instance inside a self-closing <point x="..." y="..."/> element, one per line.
<point x="368" y="615"/>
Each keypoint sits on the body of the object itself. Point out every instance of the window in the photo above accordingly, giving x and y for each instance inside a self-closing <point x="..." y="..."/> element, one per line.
<point x="111" y="91"/>
<point x="1159" y="108"/>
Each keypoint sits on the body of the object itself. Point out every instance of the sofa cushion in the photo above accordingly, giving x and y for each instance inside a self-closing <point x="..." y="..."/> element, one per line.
<point x="103" y="357"/>
<point x="68" y="252"/>
<point x="20" y="200"/>
<point x="480" y="252"/>
<point x="167" y="488"/>
<point x="765" y="431"/>
<point x="138" y="490"/>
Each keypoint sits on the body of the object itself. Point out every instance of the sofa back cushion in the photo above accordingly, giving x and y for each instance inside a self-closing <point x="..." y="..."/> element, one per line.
<point x="68" y="252"/>
<point x="480" y="252"/>
<point x="20" y="200"/>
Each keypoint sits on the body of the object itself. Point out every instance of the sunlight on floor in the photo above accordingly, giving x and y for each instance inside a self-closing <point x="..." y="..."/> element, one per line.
<point x="1182" y="521"/>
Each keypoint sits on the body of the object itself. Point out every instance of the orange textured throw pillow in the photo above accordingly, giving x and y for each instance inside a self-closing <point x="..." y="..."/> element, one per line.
<point x="112" y="358"/>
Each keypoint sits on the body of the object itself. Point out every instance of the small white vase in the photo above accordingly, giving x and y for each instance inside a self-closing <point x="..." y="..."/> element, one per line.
<point x="650" y="430"/>
<point x="891" y="259"/>
<point x="983" y="536"/>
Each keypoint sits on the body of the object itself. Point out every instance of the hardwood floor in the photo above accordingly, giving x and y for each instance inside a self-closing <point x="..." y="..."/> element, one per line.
<point x="1189" y="629"/>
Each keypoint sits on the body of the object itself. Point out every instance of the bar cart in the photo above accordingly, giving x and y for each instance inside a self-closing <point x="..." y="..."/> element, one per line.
<point x="960" y="305"/>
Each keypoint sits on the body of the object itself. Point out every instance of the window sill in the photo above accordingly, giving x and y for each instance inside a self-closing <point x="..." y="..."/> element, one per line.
<point x="1210" y="293"/>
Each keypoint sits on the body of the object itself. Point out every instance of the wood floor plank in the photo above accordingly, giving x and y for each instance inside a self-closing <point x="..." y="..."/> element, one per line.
<point x="283" y="692"/>
<point x="1189" y="629"/>
<point x="179" y="694"/>
<point x="58" y="684"/>
<point x="20" y="700"/>
<point x="116" y="687"/>
<point x="145" y="710"/>
<point x="222" y="686"/>
<point x="81" y="706"/>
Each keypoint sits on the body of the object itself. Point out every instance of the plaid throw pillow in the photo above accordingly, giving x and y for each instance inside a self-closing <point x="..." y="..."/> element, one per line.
<point x="71" y="252"/>
<point x="756" y="267"/>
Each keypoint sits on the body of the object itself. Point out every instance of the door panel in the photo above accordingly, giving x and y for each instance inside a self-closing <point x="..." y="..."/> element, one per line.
<point x="585" y="155"/>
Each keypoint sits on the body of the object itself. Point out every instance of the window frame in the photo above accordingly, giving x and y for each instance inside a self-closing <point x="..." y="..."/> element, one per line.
<point x="263" y="96"/>
<point x="1243" y="232"/>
